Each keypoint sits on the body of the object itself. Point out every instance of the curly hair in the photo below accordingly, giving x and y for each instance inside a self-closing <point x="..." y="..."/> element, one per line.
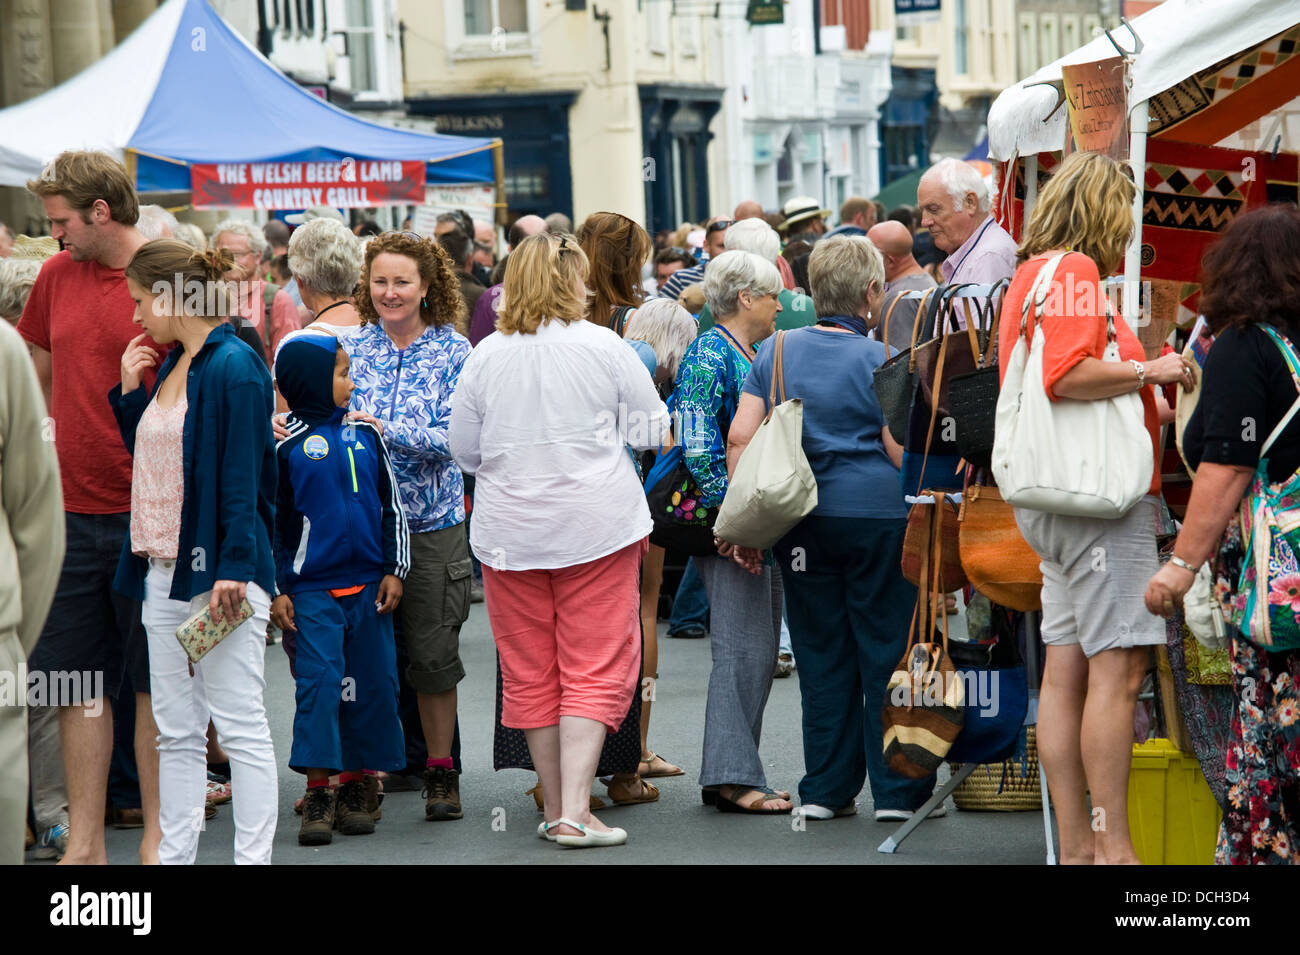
<point x="1252" y="274"/>
<point x="442" y="304"/>
<point x="617" y="248"/>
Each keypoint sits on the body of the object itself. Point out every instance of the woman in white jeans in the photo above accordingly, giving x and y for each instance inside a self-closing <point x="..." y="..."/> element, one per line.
<point x="202" y="492"/>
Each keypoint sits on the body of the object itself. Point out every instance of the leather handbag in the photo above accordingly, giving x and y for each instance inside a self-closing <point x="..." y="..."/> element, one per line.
<point x="921" y="533"/>
<point x="997" y="560"/>
<point x="773" y="487"/>
<point x="924" y="699"/>
<point x="1083" y="458"/>
<point x="895" y="380"/>
<point x="973" y="396"/>
<point x="959" y="360"/>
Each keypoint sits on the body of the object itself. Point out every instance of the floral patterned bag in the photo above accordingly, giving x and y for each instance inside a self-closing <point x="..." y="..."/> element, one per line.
<point x="1266" y="606"/>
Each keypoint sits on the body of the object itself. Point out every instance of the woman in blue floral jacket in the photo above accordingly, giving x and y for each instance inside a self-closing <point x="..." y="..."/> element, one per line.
<point x="406" y="362"/>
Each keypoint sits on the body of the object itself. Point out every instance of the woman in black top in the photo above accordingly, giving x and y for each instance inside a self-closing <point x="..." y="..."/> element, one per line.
<point x="1252" y="278"/>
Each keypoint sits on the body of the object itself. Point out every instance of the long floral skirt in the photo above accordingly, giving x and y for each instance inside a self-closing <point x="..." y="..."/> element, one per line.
<point x="1263" y="760"/>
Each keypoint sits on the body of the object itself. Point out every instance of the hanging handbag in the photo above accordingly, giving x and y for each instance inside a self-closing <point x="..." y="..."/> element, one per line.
<point x="678" y="521"/>
<point x="1267" y="605"/>
<point x="973" y="397"/>
<point x="773" y="487"/>
<point x="930" y="507"/>
<point x="924" y="699"/>
<point x="894" y="381"/>
<point x="1202" y="617"/>
<point x="1084" y="458"/>
<point x="997" y="560"/>
<point x="963" y="353"/>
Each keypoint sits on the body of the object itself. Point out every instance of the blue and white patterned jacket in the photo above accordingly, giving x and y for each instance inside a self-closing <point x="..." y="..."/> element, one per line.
<point x="409" y="390"/>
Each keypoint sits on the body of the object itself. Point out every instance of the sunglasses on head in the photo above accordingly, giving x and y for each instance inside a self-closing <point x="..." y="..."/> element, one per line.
<point x="722" y="225"/>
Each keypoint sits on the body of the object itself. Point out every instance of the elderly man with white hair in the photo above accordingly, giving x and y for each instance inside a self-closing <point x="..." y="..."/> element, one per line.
<point x="267" y="310"/>
<point x="155" y="222"/>
<point x="755" y="235"/>
<point x="955" y="207"/>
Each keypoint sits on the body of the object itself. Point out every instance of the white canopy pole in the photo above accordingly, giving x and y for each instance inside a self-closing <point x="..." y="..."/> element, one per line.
<point x="1138" y="125"/>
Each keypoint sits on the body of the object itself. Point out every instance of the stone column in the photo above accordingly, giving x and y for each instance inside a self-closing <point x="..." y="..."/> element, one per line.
<point x="28" y="62"/>
<point x="129" y="14"/>
<point x="74" y="36"/>
<point x="105" y="18"/>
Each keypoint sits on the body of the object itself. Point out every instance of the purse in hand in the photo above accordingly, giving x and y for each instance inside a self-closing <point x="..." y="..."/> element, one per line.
<point x="200" y="633"/>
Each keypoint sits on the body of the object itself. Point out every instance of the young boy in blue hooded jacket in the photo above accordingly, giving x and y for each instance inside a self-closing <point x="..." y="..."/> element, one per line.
<point x="341" y="549"/>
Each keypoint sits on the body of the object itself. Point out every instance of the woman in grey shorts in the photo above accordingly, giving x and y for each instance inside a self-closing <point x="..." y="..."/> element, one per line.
<point x="1095" y="623"/>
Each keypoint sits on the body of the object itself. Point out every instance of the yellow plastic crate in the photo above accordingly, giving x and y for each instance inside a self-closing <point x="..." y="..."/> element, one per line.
<point x="1172" y="815"/>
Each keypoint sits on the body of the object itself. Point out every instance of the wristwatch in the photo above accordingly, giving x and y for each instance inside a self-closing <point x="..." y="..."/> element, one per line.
<point x="1141" y="372"/>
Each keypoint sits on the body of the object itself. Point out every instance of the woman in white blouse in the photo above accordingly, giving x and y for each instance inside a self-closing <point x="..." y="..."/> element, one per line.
<point x="541" y="417"/>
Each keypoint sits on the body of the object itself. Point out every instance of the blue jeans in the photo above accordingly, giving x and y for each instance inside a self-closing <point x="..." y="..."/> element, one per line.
<point x="691" y="605"/>
<point x="849" y="606"/>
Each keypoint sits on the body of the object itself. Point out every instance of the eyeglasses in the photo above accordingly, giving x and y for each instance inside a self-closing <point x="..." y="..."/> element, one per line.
<point x="722" y="225"/>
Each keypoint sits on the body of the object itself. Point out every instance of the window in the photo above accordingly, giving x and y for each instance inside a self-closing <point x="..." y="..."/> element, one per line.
<point x="1028" y="46"/>
<point x="486" y="17"/>
<point x="960" y="38"/>
<point x="657" y="15"/>
<point x="1049" y="47"/>
<point x="910" y="34"/>
<point x="363" y="74"/>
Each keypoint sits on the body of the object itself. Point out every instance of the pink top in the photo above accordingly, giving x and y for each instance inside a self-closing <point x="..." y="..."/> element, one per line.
<point x="158" y="480"/>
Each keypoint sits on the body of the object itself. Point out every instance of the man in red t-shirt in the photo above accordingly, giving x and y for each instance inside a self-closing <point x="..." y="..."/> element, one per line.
<point x="77" y="324"/>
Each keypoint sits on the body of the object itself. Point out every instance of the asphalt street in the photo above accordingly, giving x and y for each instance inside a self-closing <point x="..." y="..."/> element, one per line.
<point x="500" y="821"/>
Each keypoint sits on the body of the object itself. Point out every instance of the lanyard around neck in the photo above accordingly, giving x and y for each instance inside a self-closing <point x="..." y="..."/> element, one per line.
<point x="734" y="341"/>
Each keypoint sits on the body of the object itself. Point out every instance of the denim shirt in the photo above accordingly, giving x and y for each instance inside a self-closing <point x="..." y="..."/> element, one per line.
<point x="409" y="390"/>
<point x="228" y="462"/>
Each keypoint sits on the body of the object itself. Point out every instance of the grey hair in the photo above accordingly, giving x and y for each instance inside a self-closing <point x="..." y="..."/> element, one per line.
<point x="325" y="257"/>
<point x="754" y="235"/>
<point x="155" y="222"/>
<point x="16" y="279"/>
<point x="840" y="270"/>
<point x="256" y="240"/>
<point x="960" y="178"/>
<point x="734" y="272"/>
<point x="192" y="235"/>
<point x="667" y="328"/>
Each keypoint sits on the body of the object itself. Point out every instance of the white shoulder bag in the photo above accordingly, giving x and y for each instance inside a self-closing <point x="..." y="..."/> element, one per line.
<point x="1085" y="458"/>
<point x="773" y="488"/>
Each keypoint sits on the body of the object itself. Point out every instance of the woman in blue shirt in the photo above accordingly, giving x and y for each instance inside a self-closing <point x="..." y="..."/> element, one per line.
<point x="847" y="601"/>
<point x="744" y="593"/>
<point x="202" y="500"/>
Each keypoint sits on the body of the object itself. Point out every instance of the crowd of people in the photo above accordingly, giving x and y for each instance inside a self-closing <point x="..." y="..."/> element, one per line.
<point x="341" y="438"/>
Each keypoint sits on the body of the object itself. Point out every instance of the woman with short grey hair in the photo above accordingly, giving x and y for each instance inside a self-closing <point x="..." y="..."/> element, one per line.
<point x="325" y="257"/>
<point x="847" y="602"/>
<point x="744" y="590"/>
<point x="17" y="276"/>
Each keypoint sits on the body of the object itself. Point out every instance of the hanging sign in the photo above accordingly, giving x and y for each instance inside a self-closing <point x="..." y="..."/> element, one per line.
<point x="342" y="184"/>
<point x="478" y="202"/>
<point x="907" y="12"/>
<point x="763" y="12"/>
<point x="1096" y="96"/>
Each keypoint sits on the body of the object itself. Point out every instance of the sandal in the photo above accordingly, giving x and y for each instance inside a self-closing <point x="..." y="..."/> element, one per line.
<point x="218" y="792"/>
<point x="657" y="766"/>
<point x="638" y="792"/>
<point x="536" y="793"/>
<point x="757" y="808"/>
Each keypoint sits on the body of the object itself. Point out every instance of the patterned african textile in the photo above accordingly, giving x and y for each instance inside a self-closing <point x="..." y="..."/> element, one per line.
<point x="708" y="390"/>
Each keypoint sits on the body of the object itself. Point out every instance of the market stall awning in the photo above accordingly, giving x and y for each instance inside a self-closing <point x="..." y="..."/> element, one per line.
<point x="1184" y="41"/>
<point x="185" y="90"/>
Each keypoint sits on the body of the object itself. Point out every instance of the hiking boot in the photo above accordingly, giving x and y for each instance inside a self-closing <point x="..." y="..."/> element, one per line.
<point x="374" y="798"/>
<point x="441" y="793"/>
<point x="317" y="817"/>
<point x="351" y="816"/>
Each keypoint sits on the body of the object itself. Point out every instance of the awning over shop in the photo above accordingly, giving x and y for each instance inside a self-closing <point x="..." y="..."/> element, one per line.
<point x="185" y="91"/>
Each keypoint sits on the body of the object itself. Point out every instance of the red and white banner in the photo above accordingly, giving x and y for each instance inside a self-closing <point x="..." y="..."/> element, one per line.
<point x="342" y="184"/>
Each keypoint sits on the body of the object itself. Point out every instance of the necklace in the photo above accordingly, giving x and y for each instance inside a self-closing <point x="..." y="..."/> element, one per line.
<point x="316" y="318"/>
<point x="741" y="348"/>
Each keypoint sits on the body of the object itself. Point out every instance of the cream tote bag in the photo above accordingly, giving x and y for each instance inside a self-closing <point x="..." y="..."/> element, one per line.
<point x="1084" y="458"/>
<point x="773" y="488"/>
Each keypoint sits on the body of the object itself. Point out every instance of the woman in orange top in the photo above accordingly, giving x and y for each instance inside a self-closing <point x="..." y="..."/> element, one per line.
<point x="1095" y="624"/>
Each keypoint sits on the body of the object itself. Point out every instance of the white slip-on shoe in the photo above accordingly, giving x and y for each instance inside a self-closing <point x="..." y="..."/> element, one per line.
<point x="811" y="810"/>
<point x="590" y="838"/>
<point x="542" y="833"/>
<point x="902" y="815"/>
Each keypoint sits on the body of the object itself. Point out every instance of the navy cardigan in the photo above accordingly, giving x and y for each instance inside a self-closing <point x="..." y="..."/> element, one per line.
<point x="228" y="513"/>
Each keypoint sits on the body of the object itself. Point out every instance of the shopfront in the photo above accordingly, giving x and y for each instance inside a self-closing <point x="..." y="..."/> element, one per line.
<point x="675" y="134"/>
